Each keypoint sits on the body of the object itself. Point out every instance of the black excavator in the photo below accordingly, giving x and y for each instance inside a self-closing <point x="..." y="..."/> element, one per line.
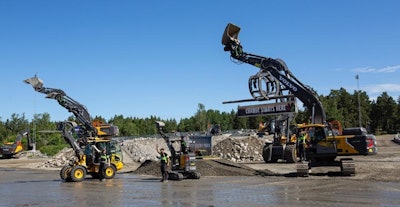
<point x="183" y="161"/>
<point x="275" y="82"/>
<point x="13" y="149"/>
<point x="84" y="138"/>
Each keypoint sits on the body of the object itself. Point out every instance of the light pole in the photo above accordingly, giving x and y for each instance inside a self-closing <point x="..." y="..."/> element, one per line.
<point x="358" y="98"/>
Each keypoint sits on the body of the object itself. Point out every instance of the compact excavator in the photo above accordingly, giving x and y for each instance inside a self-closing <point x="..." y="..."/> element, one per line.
<point x="183" y="162"/>
<point x="85" y="138"/>
<point x="13" y="149"/>
<point x="275" y="82"/>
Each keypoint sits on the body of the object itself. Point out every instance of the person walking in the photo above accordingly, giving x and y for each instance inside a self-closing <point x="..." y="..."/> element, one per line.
<point x="164" y="164"/>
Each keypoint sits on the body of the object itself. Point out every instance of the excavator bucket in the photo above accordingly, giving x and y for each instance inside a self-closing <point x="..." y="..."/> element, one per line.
<point x="35" y="82"/>
<point x="231" y="33"/>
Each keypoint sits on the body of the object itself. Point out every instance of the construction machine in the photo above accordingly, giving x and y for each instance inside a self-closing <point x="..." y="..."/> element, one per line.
<point x="84" y="138"/>
<point x="183" y="162"/>
<point x="275" y="82"/>
<point x="13" y="149"/>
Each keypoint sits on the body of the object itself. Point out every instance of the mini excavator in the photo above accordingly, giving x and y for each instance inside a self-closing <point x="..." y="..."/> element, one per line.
<point x="83" y="138"/>
<point x="183" y="161"/>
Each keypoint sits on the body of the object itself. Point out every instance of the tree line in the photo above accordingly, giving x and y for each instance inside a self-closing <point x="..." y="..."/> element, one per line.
<point x="352" y="110"/>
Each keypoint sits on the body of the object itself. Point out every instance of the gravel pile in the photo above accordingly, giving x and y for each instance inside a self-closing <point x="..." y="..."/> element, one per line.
<point x="241" y="149"/>
<point x="139" y="151"/>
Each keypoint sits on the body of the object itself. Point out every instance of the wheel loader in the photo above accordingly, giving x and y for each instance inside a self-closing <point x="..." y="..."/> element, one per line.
<point x="83" y="137"/>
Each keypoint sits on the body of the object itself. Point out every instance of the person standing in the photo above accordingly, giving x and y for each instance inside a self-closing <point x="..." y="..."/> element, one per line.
<point x="184" y="148"/>
<point x="103" y="162"/>
<point x="302" y="145"/>
<point x="164" y="164"/>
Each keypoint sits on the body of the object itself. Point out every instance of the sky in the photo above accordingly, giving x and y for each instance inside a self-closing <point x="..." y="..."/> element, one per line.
<point x="163" y="58"/>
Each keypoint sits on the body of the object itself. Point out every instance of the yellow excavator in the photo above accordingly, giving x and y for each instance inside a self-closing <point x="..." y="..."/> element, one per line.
<point x="275" y="82"/>
<point x="84" y="138"/>
<point x="13" y="149"/>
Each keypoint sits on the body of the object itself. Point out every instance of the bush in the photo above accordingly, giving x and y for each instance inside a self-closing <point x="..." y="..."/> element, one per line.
<point x="51" y="150"/>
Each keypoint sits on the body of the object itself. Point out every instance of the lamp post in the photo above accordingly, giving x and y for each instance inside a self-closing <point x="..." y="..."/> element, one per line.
<point x="358" y="98"/>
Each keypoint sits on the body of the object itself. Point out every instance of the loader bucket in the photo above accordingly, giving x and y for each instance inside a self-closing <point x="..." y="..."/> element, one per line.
<point x="231" y="33"/>
<point x="35" y="82"/>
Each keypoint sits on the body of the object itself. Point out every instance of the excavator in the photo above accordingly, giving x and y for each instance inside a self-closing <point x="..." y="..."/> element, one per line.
<point x="183" y="161"/>
<point x="84" y="138"/>
<point x="13" y="149"/>
<point x="275" y="82"/>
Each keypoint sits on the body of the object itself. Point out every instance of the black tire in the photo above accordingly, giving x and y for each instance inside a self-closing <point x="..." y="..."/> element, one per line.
<point x="290" y="154"/>
<point x="266" y="154"/>
<point x="64" y="173"/>
<point x="108" y="172"/>
<point x="77" y="173"/>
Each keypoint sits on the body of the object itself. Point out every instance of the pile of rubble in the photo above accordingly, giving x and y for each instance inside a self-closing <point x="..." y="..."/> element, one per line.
<point x="58" y="160"/>
<point x="240" y="149"/>
<point x="140" y="150"/>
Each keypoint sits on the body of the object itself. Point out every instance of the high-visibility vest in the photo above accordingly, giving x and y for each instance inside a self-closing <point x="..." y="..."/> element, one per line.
<point x="103" y="157"/>
<point x="164" y="157"/>
<point x="302" y="139"/>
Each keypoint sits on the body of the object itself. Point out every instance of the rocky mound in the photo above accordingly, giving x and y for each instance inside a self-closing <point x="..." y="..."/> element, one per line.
<point x="140" y="154"/>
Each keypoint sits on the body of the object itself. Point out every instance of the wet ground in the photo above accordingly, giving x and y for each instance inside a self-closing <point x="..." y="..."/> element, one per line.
<point x="27" y="187"/>
<point x="377" y="183"/>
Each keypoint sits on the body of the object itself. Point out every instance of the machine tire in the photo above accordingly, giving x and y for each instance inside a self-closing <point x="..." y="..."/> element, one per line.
<point x="64" y="173"/>
<point x="109" y="172"/>
<point x="266" y="153"/>
<point x="290" y="153"/>
<point x="77" y="173"/>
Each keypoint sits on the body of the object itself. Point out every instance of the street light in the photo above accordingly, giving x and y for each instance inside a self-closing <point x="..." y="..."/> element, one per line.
<point x="358" y="97"/>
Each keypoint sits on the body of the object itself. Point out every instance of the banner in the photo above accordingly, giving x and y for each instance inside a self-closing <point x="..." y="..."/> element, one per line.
<point x="267" y="109"/>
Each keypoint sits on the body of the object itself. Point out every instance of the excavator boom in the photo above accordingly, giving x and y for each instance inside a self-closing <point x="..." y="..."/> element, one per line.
<point x="274" y="74"/>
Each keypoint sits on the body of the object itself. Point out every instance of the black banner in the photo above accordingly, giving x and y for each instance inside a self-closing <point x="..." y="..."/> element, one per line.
<point x="267" y="109"/>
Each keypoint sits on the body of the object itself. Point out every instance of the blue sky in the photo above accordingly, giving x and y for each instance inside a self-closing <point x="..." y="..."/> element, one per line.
<point x="163" y="58"/>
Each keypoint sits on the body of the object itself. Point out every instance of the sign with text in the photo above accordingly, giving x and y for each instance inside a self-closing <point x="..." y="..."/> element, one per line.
<point x="267" y="109"/>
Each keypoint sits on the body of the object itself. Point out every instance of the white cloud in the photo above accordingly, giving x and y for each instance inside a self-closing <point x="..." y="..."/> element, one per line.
<point x="387" y="69"/>
<point x="379" y="88"/>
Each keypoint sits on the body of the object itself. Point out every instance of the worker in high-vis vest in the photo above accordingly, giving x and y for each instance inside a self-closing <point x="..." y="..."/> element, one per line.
<point x="164" y="159"/>
<point x="302" y="144"/>
<point x="103" y="162"/>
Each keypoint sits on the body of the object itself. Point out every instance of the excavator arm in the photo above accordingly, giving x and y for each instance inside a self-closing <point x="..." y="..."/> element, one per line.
<point x="274" y="77"/>
<point x="79" y="110"/>
<point x="160" y="129"/>
<point x="75" y="138"/>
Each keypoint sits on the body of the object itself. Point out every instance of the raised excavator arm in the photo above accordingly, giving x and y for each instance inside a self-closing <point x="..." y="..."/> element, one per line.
<point x="79" y="110"/>
<point x="68" y="128"/>
<point x="274" y="77"/>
